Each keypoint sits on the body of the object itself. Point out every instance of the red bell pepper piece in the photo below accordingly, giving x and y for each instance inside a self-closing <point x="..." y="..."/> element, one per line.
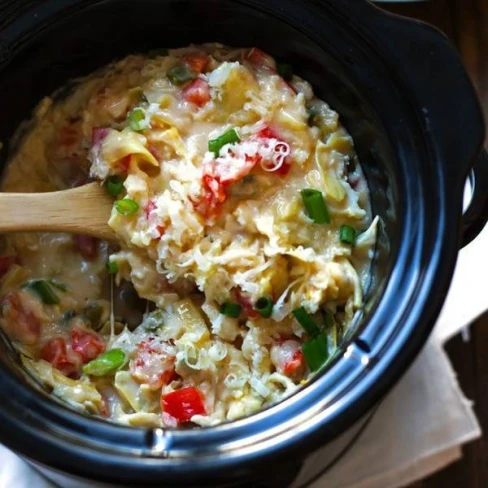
<point x="260" y="59"/>
<point x="57" y="352"/>
<point x="197" y="62"/>
<point x="183" y="404"/>
<point x="295" y="364"/>
<point x="246" y="304"/>
<point x="197" y="92"/>
<point x="86" y="343"/>
<point x="86" y="245"/>
<point x="149" y="208"/>
<point x="153" y="364"/>
<point x="19" y="322"/>
<point x="99" y="134"/>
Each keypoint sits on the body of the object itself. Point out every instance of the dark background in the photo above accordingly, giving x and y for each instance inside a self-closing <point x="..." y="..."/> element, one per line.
<point x="466" y="23"/>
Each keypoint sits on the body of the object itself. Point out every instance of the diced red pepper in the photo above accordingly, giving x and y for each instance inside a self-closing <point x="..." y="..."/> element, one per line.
<point x="20" y="323"/>
<point x="59" y="354"/>
<point x="86" y="343"/>
<point x="124" y="163"/>
<point x="284" y="169"/>
<point x="197" y="62"/>
<point x="208" y="206"/>
<point x="246" y="304"/>
<point x="99" y="134"/>
<point x="295" y="365"/>
<point x="213" y="184"/>
<point x="197" y="92"/>
<point x="261" y="60"/>
<point x="149" y="208"/>
<point x="86" y="245"/>
<point x="288" y="358"/>
<point x="6" y="263"/>
<point x="153" y="364"/>
<point x="183" y="404"/>
<point x="270" y="133"/>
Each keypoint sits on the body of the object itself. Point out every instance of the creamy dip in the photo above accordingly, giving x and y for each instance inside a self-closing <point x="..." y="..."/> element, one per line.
<point x="245" y="238"/>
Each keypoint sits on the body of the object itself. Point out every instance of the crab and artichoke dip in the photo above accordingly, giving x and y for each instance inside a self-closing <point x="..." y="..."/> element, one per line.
<point x="245" y="238"/>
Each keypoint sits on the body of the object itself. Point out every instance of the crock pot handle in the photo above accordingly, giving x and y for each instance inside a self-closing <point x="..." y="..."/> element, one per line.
<point x="450" y="110"/>
<point x="476" y="215"/>
<point x="433" y="73"/>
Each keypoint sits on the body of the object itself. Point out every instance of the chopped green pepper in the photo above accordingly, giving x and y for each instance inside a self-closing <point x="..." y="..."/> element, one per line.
<point x="136" y="118"/>
<point x="44" y="291"/>
<point x="112" y="267"/>
<point x="229" y="137"/>
<point x="180" y="74"/>
<point x="126" y="207"/>
<point x="316" y="351"/>
<point x="305" y="321"/>
<point x="347" y="234"/>
<point x="315" y="204"/>
<point x="231" y="309"/>
<point x="106" y="363"/>
<point x="115" y="184"/>
<point x="264" y="306"/>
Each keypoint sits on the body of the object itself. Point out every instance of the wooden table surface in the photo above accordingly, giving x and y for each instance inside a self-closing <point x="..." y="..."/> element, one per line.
<point x="466" y="23"/>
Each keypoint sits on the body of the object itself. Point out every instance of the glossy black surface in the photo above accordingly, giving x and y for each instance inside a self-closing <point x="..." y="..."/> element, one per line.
<point x="396" y="84"/>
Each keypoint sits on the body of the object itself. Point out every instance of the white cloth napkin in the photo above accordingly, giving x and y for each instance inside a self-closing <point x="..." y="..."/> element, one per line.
<point x="420" y="426"/>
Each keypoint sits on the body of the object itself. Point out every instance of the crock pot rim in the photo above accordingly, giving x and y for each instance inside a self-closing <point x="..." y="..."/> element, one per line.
<point x="379" y="380"/>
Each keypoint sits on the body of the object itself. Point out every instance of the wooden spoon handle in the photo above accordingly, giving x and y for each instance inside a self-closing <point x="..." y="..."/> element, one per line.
<point x="82" y="210"/>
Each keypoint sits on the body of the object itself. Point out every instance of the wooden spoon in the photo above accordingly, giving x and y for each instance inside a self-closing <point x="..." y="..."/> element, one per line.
<point x="82" y="210"/>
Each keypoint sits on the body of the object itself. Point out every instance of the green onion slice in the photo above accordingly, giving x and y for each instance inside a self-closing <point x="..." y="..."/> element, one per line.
<point x="347" y="234"/>
<point x="44" y="291"/>
<point x="115" y="184"/>
<point x="231" y="309"/>
<point x="306" y="321"/>
<point x="229" y="137"/>
<point x="136" y="118"/>
<point x="106" y="363"/>
<point x="180" y="74"/>
<point x="285" y="71"/>
<point x="112" y="267"/>
<point x="264" y="306"/>
<point x="316" y="351"/>
<point x="126" y="207"/>
<point x="315" y="204"/>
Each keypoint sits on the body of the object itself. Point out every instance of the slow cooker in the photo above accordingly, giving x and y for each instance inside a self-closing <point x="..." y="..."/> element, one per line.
<point x="402" y="93"/>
